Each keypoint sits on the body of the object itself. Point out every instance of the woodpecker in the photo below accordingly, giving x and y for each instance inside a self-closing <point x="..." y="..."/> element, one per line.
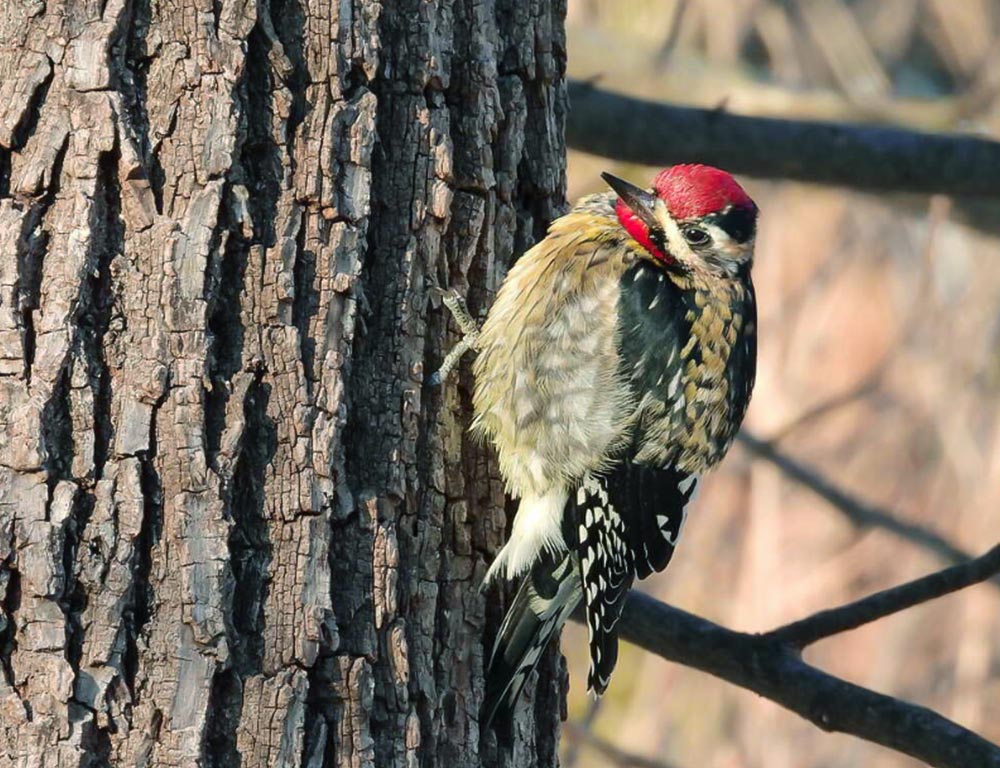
<point x="613" y="370"/>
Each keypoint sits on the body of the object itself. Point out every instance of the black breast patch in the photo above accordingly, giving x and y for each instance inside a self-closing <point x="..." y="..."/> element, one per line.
<point x="653" y="314"/>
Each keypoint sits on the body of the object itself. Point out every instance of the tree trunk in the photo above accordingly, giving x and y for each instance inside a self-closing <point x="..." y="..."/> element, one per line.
<point x="236" y="527"/>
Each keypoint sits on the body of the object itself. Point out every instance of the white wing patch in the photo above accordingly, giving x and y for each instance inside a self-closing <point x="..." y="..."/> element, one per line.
<point x="687" y="487"/>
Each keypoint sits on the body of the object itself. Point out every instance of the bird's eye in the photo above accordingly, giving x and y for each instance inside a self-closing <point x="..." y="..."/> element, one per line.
<point x="696" y="236"/>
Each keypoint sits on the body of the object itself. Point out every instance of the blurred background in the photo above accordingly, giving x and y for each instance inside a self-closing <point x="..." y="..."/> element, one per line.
<point x="879" y="371"/>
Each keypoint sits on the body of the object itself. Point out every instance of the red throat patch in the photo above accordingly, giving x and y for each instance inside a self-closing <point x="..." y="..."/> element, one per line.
<point x="638" y="229"/>
<point x="691" y="191"/>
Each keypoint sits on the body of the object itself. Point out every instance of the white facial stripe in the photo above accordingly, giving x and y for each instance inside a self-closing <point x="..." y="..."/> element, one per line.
<point x="676" y="244"/>
<point x="719" y="235"/>
<point x="723" y="244"/>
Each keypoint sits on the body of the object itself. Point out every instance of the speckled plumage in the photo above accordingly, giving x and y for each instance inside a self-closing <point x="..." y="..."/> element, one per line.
<point x="689" y="347"/>
<point x="610" y="350"/>
<point x="608" y="380"/>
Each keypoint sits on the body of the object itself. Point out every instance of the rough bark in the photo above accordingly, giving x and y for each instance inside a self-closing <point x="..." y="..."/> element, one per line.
<point x="236" y="527"/>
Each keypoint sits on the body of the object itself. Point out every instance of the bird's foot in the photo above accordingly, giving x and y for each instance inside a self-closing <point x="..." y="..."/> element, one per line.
<point x="470" y="335"/>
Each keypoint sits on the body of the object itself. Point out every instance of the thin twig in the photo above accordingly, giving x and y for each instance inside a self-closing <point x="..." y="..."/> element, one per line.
<point x="616" y="755"/>
<point x="670" y="42"/>
<point x="868" y="386"/>
<point x="859" y="512"/>
<point x="820" y="625"/>
<point x="939" y="208"/>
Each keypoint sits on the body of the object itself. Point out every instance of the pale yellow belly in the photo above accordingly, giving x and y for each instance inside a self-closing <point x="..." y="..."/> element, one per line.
<point x="550" y="399"/>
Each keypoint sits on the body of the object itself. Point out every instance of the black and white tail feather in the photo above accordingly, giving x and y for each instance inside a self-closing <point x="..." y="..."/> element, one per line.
<point x="606" y="565"/>
<point x="547" y="596"/>
<point x="616" y="526"/>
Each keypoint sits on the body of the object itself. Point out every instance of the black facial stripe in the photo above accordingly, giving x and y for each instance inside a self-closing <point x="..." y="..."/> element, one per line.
<point x="658" y="238"/>
<point x="738" y="223"/>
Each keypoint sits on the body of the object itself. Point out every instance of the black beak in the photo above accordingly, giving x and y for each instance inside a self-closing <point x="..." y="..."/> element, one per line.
<point x="639" y="200"/>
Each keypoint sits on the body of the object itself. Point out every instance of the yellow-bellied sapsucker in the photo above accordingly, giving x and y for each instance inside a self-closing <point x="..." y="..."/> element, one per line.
<point x="613" y="370"/>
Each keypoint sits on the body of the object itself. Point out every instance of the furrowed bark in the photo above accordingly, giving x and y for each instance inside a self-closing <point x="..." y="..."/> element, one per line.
<point x="236" y="527"/>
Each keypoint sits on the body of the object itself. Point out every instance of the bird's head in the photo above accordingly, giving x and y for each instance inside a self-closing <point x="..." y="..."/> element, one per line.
<point x="696" y="218"/>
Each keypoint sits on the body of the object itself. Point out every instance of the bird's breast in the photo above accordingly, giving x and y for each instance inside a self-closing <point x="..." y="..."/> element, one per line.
<point x="548" y="394"/>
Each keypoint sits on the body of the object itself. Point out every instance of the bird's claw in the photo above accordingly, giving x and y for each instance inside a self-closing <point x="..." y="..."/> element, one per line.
<point x="453" y="300"/>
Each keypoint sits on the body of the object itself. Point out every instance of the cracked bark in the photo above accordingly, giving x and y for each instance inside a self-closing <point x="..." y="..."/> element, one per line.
<point x="236" y="528"/>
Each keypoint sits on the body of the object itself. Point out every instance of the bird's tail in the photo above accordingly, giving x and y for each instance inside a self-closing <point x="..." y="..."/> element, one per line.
<point x="549" y="593"/>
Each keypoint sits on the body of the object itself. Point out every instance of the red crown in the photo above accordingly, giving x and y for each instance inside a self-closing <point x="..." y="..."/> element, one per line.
<point x="692" y="191"/>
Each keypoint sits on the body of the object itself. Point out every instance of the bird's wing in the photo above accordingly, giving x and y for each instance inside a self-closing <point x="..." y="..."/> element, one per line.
<point x="606" y="572"/>
<point x="652" y="502"/>
<point x="659" y="363"/>
<point x="628" y="521"/>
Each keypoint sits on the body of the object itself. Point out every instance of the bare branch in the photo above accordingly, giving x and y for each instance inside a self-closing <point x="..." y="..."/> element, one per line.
<point x="859" y="512"/>
<point x="776" y="671"/>
<point x="853" y="615"/>
<point x="860" y="156"/>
